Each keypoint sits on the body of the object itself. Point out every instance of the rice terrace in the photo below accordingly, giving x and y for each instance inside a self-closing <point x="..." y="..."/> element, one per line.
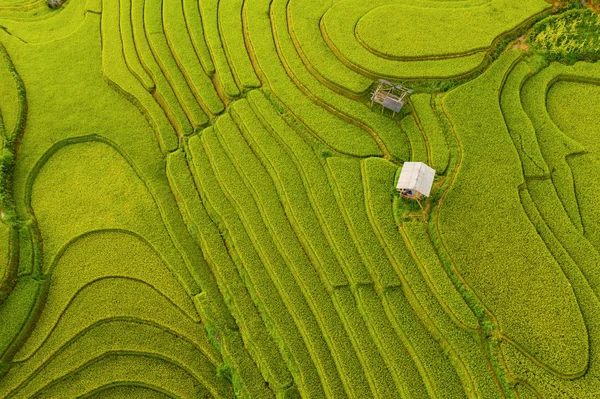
<point x="300" y="199"/>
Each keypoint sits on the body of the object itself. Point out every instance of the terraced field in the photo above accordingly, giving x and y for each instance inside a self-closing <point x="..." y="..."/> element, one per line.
<point x="197" y="199"/>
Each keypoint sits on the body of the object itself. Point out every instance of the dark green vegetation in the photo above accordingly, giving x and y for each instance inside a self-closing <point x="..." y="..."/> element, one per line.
<point x="573" y="35"/>
<point x="197" y="200"/>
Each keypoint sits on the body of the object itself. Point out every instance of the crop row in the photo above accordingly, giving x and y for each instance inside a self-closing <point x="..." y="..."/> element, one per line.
<point x="417" y="238"/>
<point x="292" y="191"/>
<point x="232" y="33"/>
<point x="303" y="21"/>
<point x="164" y="93"/>
<point x="544" y="201"/>
<point x="15" y="313"/>
<point x="347" y="180"/>
<point x="253" y="328"/>
<point x="236" y="150"/>
<point x="462" y="345"/>
<point x="439" y="154"/>
<point x="270" y="299"/>
<point x="155" y="217"/>
<point x="193" y="19"/>
<point x="117" y="69"/>
<point x="418" y="146"/>
<point x="165" y="230"/>
<point x="5" y="244"/>
<point x="520" y="128"/>
<point x="120" y="337"/>
<point x="328" y="128"/>
<point x="576" y="121"/>
<point x="523" y="90"/>
<point x="554" y="145"/>
<point x="209" y="11"/>
<point x="343" y="299"/>
<point x="178" y="39"/>
<point x="561" y="193"/>
<point x="132" y="368"/>
<point x="175" y="50"/>
<point x="65" y="178"/>
<point x="62" y="24"/>
<point x="314" y="178"/>
<point x="301" y="279"/>
<point x="9" y="101"/>
<point x="385" y="336"/>
<point x="105" y="253"/>
<point x="155" y="11"/>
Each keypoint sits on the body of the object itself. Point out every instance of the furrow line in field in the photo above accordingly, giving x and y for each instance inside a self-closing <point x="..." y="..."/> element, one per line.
<point x="240" y="302"/>
<point x="292" y="252"/>
<point x="281" y="308"/>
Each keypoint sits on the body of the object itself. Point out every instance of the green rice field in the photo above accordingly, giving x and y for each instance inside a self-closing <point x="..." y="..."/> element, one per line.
<point x="198" y="199"/>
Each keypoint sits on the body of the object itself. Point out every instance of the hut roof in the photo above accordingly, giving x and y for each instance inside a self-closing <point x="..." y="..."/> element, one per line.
<point x="416" y="176"/>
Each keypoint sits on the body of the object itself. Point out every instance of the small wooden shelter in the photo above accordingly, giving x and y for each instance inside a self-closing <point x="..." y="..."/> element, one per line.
<point x="390" y="95"/>
<point x="415" y="180"/>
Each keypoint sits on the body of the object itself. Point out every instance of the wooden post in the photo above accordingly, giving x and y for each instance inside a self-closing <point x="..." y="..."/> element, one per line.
<point x="419" y="202"/>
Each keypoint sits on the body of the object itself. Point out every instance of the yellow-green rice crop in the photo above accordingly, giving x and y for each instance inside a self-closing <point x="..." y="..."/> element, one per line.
<point x="197" y="199"/>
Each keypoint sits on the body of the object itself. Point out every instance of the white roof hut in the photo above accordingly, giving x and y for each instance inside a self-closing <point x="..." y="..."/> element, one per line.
<point x="415" y="180"/>
<point x="390" y="95"/>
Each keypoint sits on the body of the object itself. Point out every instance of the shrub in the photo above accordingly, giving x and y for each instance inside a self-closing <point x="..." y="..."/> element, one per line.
<point x="568" y="37"/>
